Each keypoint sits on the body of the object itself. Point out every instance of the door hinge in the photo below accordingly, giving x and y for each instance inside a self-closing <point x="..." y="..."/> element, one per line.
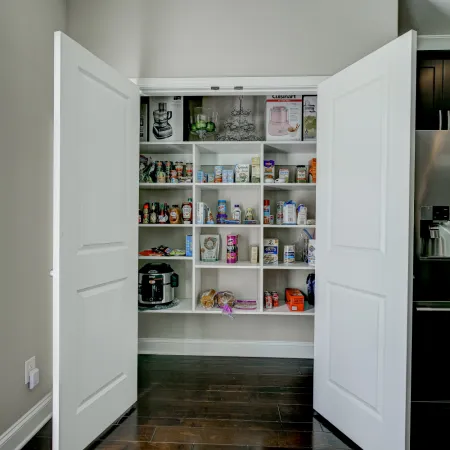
<point x="215" y="88"/>
<point x="239" y="88"/>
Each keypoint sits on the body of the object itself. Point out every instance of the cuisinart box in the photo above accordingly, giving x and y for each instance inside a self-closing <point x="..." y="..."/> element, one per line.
<point x="284" y="118"/>
<point x="166" y="119"/>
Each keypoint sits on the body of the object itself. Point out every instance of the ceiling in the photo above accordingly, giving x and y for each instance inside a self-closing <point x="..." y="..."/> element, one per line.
<point x="424" y="16"/>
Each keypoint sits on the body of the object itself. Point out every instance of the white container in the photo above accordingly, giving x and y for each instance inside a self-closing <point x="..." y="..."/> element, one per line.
<point x="289" y="254"/>
<point x="283" y="174"/>
<point x="289" y="213"/>
<point x="302" y="215"/>
<point x="312" y="252"/>
<point x="236" y="214"/>
<point x="172" y="129"/>
<point x="200" y="213"/>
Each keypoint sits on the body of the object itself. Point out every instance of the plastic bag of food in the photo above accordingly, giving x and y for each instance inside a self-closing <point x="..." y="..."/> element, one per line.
<point x="207" y="299"/>
<point x="223" y="298"/>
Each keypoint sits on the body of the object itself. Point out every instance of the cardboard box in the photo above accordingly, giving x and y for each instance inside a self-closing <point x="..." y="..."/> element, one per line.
<point x="242" y="173"/>
<point x="284" y="118"/>
<point x="271" y="251"/>
<point x="169" y="114"/>
<point x="309" y="127"/>
<point x="295" y="299"/>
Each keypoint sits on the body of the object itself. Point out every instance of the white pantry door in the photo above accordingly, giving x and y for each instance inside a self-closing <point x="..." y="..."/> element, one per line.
<point x="365" y="156"/>
<point x="96" y="147"/>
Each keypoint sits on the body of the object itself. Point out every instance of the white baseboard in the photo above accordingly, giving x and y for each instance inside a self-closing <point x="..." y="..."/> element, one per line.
<point x="218" y="347"/>
<point x="15" y="437"/>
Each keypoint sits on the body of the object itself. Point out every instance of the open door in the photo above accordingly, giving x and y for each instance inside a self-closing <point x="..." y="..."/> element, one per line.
<point x="96" y="148"/>
<point x="365" y="155"/>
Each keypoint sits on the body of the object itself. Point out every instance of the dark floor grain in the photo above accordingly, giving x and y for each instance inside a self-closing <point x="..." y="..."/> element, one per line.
<point x="203" y="403"/>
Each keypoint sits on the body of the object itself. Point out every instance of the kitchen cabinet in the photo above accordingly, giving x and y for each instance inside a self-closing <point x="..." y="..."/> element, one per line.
<point x="362" y="207"/>
<point x="433" y="91"/>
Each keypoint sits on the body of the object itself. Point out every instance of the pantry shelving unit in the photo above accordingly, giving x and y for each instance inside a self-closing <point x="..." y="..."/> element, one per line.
<point x="248" y="281"/>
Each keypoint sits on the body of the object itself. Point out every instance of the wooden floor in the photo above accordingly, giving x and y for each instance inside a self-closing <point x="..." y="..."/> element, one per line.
<point x="227" y="403"/>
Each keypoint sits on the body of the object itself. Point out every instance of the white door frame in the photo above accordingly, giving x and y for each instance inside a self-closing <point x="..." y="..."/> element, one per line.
<point x="228" y="85"/>
<point x="433" y="42"/>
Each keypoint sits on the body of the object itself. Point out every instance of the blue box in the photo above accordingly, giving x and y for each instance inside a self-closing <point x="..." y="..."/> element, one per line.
<point x="200" y="176"/>
<point x="189" y="245"/>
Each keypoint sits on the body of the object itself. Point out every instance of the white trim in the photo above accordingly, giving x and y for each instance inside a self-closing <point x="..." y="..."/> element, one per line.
<point x="250" y="85"/>
<point x="433" y="42"/>
<point x="221" y="347"/>
<point x="15" y="437"/>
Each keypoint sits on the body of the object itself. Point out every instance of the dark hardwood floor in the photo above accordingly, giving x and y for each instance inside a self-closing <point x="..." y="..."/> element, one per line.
<point x="203" y="403"/>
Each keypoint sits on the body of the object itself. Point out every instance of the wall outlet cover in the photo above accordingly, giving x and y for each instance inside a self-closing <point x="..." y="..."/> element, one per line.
<point x="30" y="364"/>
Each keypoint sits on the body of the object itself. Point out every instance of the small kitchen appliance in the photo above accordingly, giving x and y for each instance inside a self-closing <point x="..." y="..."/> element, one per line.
<point x="278" y="123"/>
<point x="161" y="126"/>
<point x="157" y="283"/>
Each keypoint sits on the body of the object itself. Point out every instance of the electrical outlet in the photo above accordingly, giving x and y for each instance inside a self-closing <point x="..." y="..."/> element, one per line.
<point x="29" y="366"/>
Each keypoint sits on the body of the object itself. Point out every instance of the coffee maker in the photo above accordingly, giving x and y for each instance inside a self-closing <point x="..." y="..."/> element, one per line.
<point x="161" y="126"/>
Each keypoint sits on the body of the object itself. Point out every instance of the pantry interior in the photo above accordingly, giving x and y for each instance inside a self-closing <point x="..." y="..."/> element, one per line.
<point x="164" y="330"/>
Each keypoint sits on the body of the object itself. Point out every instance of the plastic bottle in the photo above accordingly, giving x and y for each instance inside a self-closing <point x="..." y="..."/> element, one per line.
<point x="187" y="211"/>
<point x="237" y="213"/>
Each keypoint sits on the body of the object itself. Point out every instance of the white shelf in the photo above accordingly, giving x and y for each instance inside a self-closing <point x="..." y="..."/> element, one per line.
<point x="289" y="186"/>
<point x="226" y="225"/>
<point x="185" y="306"/>
<point x="165" y="225"/>
<point x="166" y="258"/>
<point x="298" y="147"/>
<point x="226" y="185"/>
<point x="225" y="265"/>
<point x="289" y="226"/>
<point x="228" y="147"/>
<point x="297" y="265"/>
<point x="165" y="185"/>
<point x="283" y="310"/>
<point x="168" y="148"/>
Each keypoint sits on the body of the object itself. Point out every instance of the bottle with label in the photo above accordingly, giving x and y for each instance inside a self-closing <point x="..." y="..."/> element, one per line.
<point x="187" y="211"/>
<point x="162" y="218"/>
<point x="174" y="214"/>
<point x="154" y="213"/>
<point x="237" y="213"/>
<point x="146" y="214"/>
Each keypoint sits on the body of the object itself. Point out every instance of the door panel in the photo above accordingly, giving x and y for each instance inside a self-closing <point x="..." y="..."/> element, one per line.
<point x="95" y="245"/>
<point x="364" y="218"/>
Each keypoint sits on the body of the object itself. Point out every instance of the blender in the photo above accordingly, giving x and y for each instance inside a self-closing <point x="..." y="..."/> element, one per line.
<point x="161" y="126"/>
<point x="278" y="124"/>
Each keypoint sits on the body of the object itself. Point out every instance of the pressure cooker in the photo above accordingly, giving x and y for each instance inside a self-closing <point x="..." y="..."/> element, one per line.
<point x="157" y="283"/>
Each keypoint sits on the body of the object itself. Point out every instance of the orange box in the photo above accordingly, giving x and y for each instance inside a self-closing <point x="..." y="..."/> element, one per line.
<point x="295" y="299"/>
<point x="312" y="171"/>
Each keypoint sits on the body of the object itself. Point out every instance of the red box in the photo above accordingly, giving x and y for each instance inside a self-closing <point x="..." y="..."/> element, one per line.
<point x="295" y="300"/>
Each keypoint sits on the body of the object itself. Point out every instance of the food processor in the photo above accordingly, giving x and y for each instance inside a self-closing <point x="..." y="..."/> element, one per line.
<point x="278" y="124"/>
<point x="161" y="126"/>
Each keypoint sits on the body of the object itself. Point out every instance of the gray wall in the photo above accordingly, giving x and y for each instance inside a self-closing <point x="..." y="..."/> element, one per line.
<point x="26" y="112"/>
<point x="424" y="16"/>
<point x="200" y="38"/>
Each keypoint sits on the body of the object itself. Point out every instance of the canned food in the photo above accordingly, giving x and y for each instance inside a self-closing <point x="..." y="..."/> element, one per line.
<point x="232" y="248"/>
<point x="271" y="218"/>
<point x="289" y="254"/>
<point x="275" y="299"/>
<point x="268" y="301"/>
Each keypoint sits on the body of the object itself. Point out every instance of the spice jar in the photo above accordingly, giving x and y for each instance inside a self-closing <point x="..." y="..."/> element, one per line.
<point x="189" y="170"/>
<point x="179" y="168"/>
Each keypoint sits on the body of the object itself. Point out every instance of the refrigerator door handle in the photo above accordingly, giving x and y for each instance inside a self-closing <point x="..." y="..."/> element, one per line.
<point x="440" y="119"/>
<point x="448" y="119"/>
<point x="431" y="309"/>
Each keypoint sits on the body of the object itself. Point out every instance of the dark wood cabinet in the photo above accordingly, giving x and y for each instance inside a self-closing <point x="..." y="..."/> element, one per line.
<point x="433" y="91"/>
